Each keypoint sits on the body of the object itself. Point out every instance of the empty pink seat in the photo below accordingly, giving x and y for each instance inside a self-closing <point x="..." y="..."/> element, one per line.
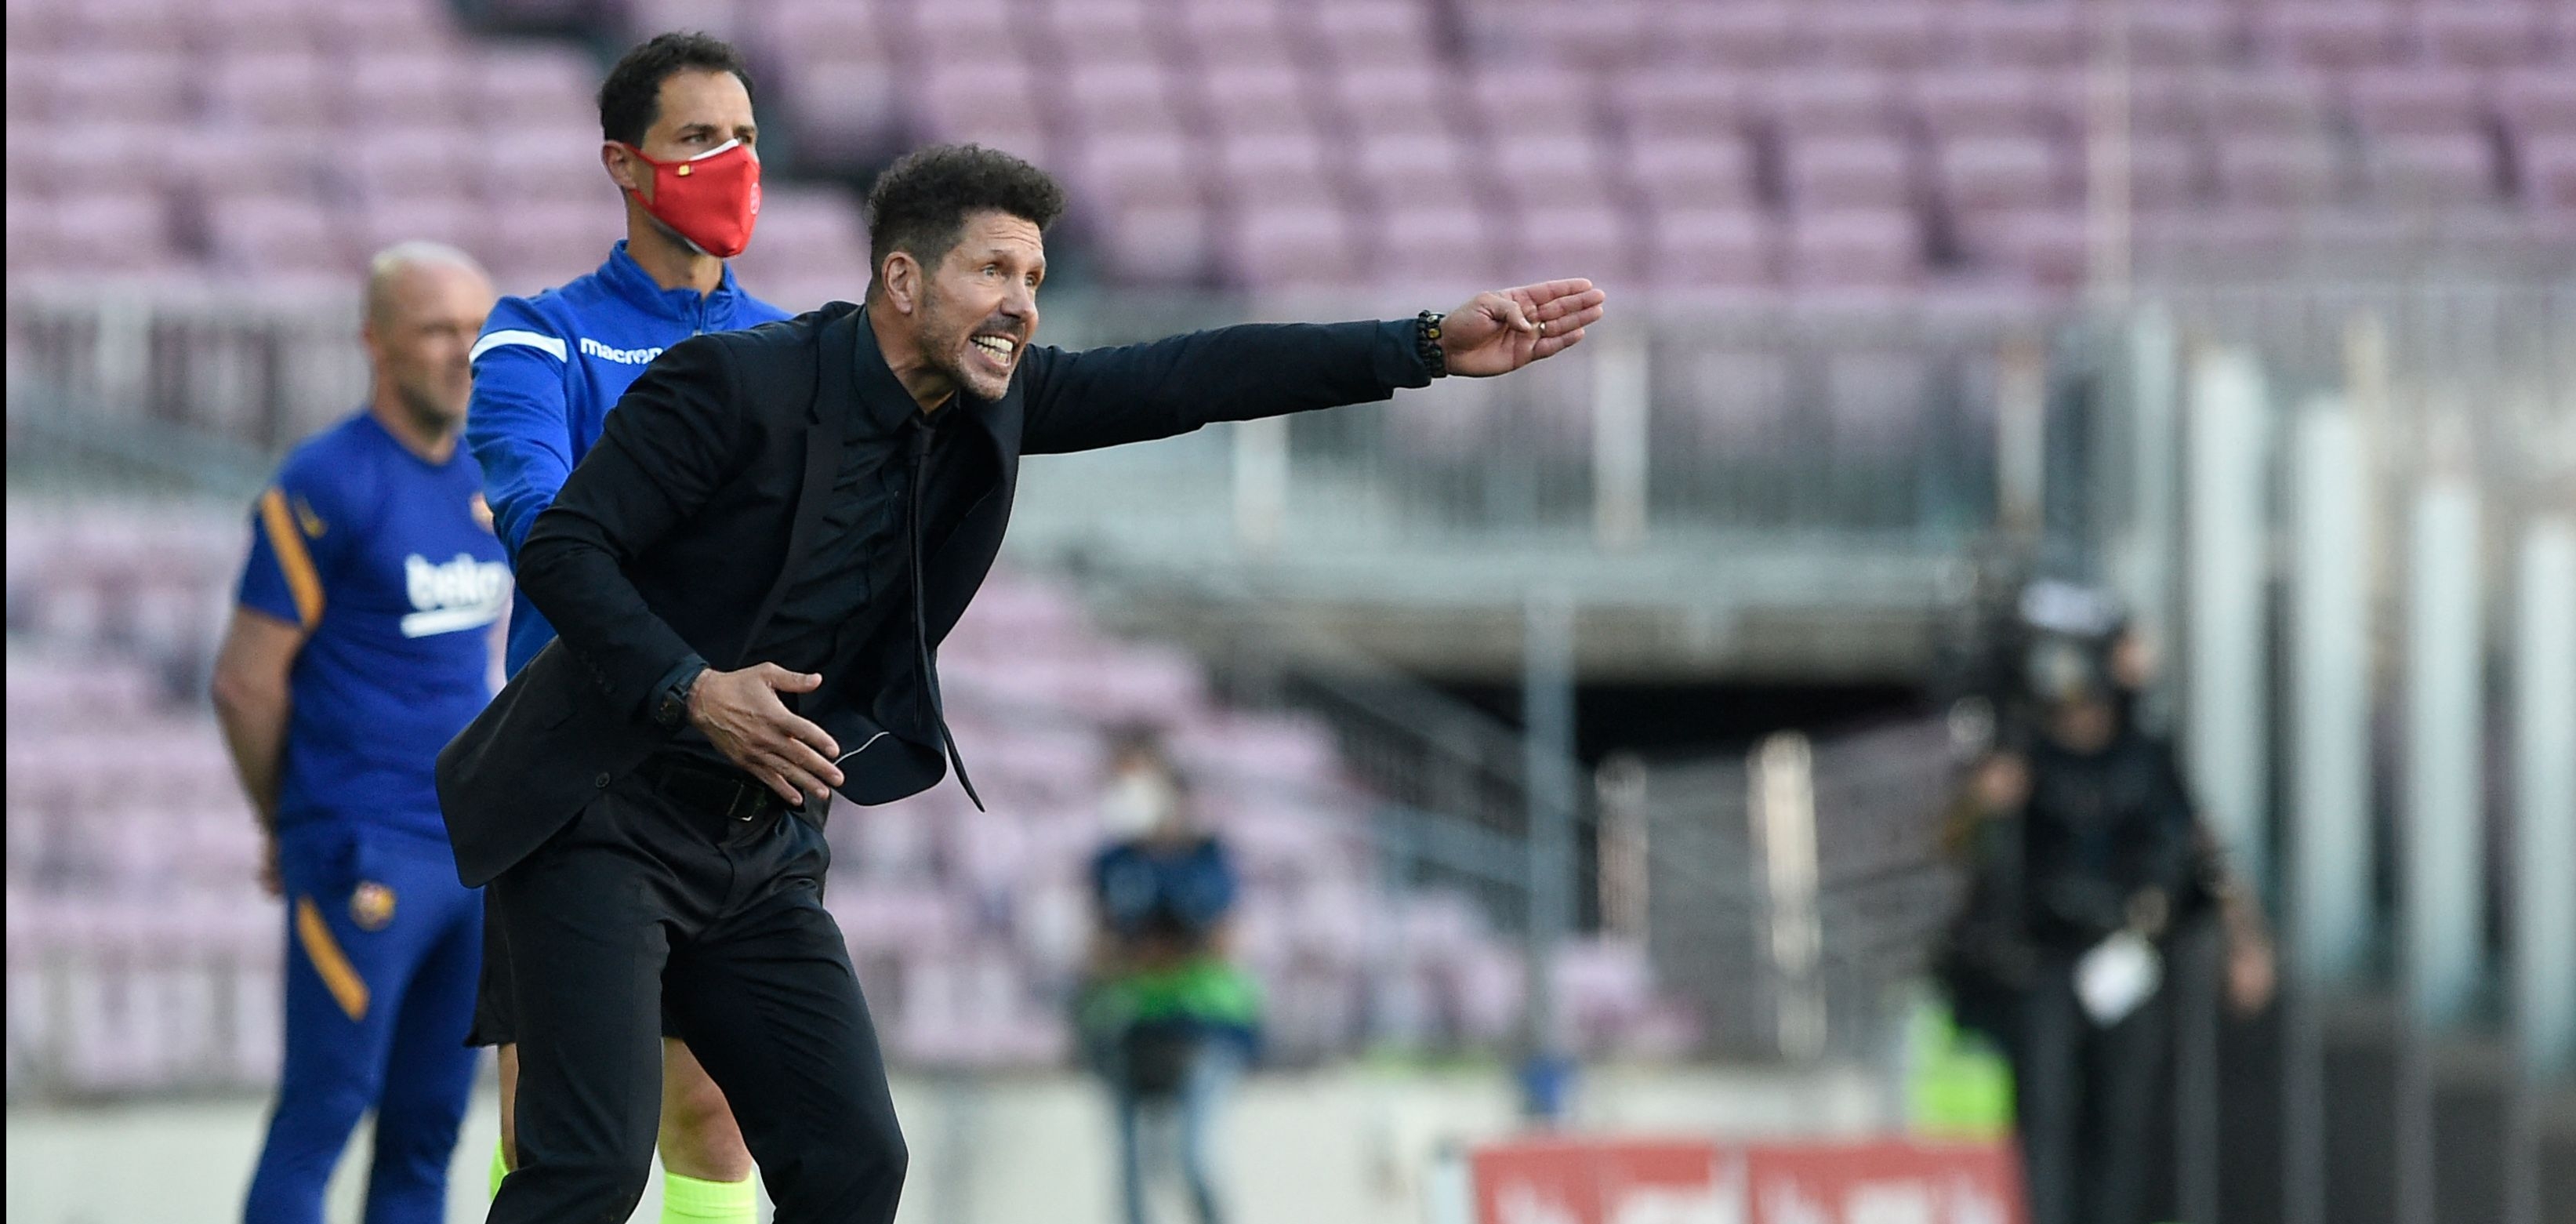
<point x="1519" y="102"/>
<point x="1807" y="105"/>
<point x="1133" y="95"/>
<point x="2027" y="35"/>
<point x="89" y="159"/>
<point x="1360" y="33"/>
<point x="1259" y="99"/>
<point x="846" y="110"/>
<point x="1699" y="249"/>
<point x="2549" y="172"/>
<point x="2536" y="101"/>
<point x="1290" y="244"/>
<point x="2049" y="247"/>
<point x="1090" y="31"/>
<point x="407" y="85"/>
<point x="1848" y="172"/>
<point x="1742" y="34"/>
<point x="1996" y="102"/>
<point x="2414" y="102"/>
<point x="143" y="86"/>
<point x="1854" y="248"/>
<point x="1559" y="240"/>
<point x="1234" y="31"/>
<point x="2327" y="33"/>
<point x="1672" y="104"/>
<point x="542" y="163"/>
<point x="1390" y="99"/>
<point x="2180" y="32"/>
<point x="2263" y="103"/>
<point x="121" y="233"/>
<point x="2003" y="172"/>
<point x="2276" y="170"/>
<point x="406" y="25"/>
<point x="2482" y="33"/>
<point x="1160" y="244"/>
<point x="422" y="162"/>
<point x="1138" y="168"/>
<point x="2438" y="169"/>
<point x="537" y="83"/>
<point x="1889" y="34"/>
<point x="405" y="218"/>
<point x="1711" y="172"/>
<point x="1281" y="167"/>
<point x="270" y="88"/>
<point x="2165" y="172"/>
<point x="1406" y="167"/>
<point x="1534" y="168"/>
<point x="991" y="103"/>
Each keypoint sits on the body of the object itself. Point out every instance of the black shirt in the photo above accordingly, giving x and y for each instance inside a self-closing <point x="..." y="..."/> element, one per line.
<point x="859" y="572"/>
<point x="2099" y="826"/>
<point x="858" y="576"/>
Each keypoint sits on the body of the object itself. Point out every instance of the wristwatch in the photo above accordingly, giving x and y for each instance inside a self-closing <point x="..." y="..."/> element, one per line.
<point x="1426" y="342"/>
<point x="672" y="711"/>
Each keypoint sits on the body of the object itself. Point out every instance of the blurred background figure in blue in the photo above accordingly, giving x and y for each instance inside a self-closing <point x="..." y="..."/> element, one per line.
<point x="1168" y="1018"/>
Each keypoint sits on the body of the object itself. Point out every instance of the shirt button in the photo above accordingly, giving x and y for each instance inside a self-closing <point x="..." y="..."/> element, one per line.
<point x="601" y="781"/>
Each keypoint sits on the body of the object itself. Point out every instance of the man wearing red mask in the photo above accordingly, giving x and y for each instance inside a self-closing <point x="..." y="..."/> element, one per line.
<point x="680" y="144"/>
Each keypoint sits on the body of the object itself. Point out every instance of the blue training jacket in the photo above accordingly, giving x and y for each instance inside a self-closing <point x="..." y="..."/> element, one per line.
<point x="546" y="371"/>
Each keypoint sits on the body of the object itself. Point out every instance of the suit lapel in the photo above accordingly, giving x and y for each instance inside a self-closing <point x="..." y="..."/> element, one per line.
<point x="824" y="430"/>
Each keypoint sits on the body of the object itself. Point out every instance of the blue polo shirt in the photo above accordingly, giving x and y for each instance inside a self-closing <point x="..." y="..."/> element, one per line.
<point x="548" y="368"/>
<point x="383" y="557"/>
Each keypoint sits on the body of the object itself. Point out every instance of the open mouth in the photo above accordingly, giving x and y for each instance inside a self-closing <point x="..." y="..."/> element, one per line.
<point x="1000" y="348"/>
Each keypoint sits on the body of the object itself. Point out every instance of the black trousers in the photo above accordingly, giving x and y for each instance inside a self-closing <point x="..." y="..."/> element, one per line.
<point x="647" y="904"/>
<point x="2086" y="1102"/>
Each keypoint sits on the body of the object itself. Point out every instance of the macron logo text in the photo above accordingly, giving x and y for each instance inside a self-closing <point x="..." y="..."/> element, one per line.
<point x="642" y="356"/>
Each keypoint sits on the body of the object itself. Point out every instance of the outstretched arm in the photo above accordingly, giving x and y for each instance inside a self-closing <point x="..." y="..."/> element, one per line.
<point x="1113" y="396"/>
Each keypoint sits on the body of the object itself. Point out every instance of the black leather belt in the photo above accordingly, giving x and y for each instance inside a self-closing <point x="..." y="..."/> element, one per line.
<point x="720" y="791"/>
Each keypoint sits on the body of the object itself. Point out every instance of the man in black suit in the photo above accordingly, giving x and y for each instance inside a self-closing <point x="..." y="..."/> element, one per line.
<point x="750" y="574"/>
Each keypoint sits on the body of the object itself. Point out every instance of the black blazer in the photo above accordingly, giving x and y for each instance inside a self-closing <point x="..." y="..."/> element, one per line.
<point x="677" y="534"/>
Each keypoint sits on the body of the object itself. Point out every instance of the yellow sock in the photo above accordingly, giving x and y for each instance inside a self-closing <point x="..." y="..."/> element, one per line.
<point x="687" y="1200"/>
<point x="500" y="1168"/>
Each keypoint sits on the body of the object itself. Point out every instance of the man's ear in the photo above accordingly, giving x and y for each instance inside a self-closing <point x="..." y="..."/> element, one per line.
<point x="902" y="278"/>
<point x="625" y="171"/>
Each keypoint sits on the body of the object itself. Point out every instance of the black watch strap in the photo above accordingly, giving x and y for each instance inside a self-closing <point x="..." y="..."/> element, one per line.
<point x="671" y="710"/>
<point x="1426" y="343"/>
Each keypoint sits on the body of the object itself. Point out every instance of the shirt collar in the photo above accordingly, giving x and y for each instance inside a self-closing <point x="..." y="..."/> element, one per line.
<point x="632" y="283"/>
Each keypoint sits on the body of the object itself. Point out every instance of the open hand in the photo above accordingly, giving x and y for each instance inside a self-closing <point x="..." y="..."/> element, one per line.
<point x="1499" y="332"/>
<point x="740" y="713"/>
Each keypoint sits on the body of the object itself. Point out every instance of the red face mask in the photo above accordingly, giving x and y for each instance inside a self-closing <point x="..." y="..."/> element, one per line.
<point x="711" y="199"/>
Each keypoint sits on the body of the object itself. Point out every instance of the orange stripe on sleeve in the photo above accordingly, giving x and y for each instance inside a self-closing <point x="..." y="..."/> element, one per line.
<point x="338" y="975"/>
<point x="301" y="578"/>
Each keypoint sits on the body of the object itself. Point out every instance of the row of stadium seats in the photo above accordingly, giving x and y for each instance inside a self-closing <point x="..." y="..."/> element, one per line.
<point x="140" y="954"/>
<point x="158" y="146"/>
<point x="1742" y="147"/>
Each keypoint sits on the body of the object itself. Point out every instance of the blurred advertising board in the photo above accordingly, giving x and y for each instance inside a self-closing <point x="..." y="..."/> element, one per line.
<point x="1624" y="1181"/>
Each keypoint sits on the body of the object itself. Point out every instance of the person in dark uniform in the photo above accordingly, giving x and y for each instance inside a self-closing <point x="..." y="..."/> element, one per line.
<point x="2088" y="856"/>
<point x="750" y="575"/>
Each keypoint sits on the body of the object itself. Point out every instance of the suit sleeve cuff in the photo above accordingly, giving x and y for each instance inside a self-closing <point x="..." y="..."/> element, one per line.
<point x="679" y="673"/>
<point x="1399" y="361"/>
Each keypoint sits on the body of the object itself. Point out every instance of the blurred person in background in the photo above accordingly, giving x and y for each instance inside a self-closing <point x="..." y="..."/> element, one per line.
<point x="2087" y="860"/>
<point x="1167" y="1018"/>
<point x="750" y="575"/>
<point x="360" y="645"/>
<point x="681" y="144"/>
